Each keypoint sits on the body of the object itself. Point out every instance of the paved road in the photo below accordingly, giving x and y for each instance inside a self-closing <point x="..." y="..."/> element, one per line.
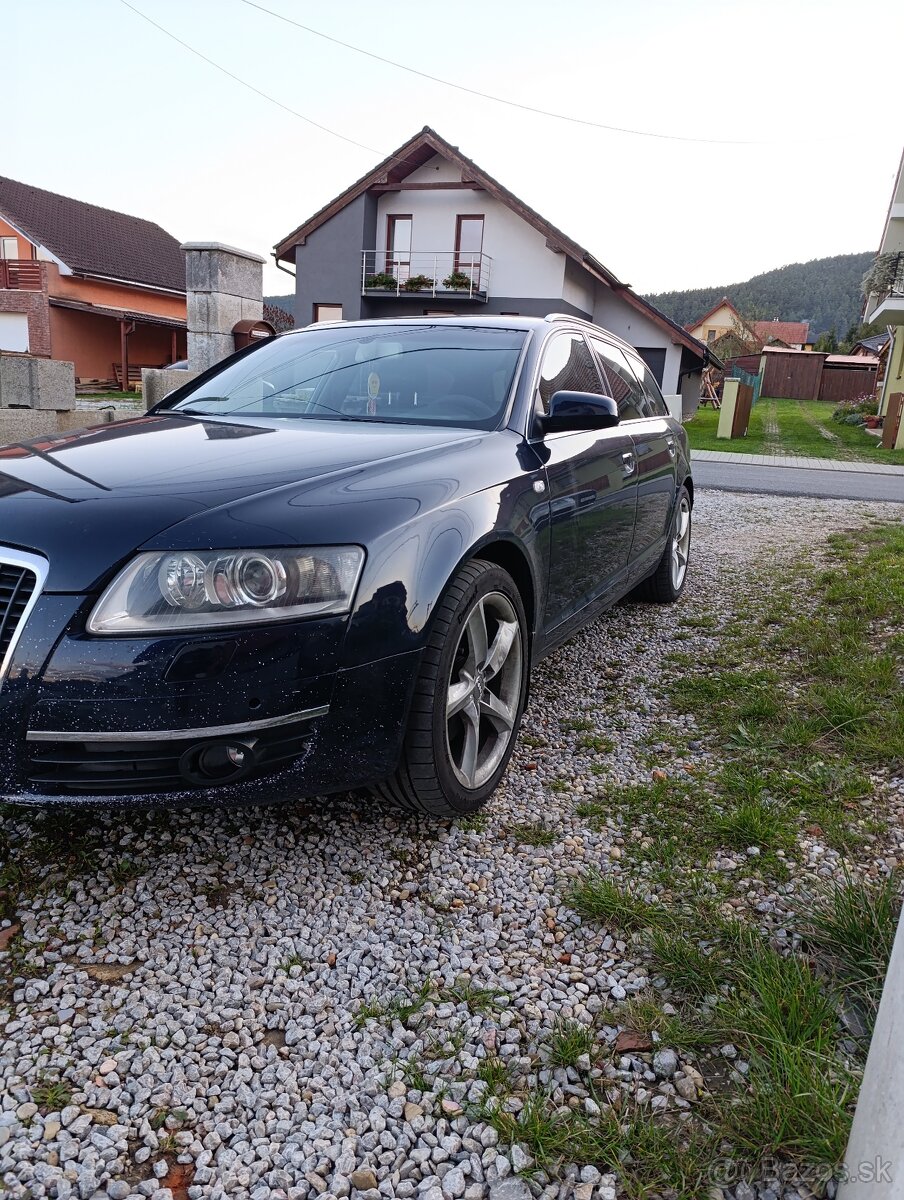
<point x="842" y="485"/>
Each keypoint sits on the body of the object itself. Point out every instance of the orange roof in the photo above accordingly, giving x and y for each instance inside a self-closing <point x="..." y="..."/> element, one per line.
<point x="791" y="332"/>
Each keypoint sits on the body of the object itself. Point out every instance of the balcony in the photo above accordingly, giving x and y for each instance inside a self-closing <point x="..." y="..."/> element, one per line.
<point x="885" y="303"/>
<point x="20" y="275"/>
<point x="434" y="275"/>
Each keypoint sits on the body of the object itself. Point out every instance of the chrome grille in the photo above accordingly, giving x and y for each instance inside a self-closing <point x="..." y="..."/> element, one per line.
<point x="21" y="578"/>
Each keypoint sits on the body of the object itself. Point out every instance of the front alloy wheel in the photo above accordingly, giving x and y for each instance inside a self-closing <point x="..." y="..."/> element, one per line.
<point x="468" y="699"/>
<point x="484" y="690"/>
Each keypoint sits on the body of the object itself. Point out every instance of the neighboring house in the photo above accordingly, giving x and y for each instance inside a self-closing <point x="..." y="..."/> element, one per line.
<point x="88" y="285"/>
<point x="794" y="335"/>
<point x="885" y="301"/>
<point x="428" y="232"/>
<point x="871" y="347"/>
<point x="722" y="320"/>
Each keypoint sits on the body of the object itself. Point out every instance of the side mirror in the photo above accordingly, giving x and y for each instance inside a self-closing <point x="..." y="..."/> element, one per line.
<point x="579" y="410"/>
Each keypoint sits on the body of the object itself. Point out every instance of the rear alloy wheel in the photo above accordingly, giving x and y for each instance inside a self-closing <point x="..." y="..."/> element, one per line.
<point x="468" y="699"/>
<point x="667" y="582"/>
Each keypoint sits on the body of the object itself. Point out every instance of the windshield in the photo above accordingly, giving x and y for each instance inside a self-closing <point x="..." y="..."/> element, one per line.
<point x="409" y="374"/>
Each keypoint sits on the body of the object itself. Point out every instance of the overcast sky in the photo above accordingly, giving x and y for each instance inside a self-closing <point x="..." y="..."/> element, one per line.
<point x="121" y="115"/>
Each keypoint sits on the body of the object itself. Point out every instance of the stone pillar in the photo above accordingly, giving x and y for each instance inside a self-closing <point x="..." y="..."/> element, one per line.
<point x="224" y="286"/>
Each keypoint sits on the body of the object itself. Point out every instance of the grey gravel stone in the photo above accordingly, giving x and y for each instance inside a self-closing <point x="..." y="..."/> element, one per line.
<point x="210" y="998"/>
<point x="665" y="1063"/>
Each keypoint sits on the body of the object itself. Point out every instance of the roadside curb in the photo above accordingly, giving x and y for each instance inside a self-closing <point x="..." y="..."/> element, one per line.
<point x="802" y="464"/>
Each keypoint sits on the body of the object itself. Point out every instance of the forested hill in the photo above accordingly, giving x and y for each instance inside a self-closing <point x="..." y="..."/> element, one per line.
<point x="825" y="292"/>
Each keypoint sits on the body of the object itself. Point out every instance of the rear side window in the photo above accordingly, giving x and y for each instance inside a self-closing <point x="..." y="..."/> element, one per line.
<point x="656" y="406"/>
<point x="567" y="367"/>
<point x="623" y="385"/>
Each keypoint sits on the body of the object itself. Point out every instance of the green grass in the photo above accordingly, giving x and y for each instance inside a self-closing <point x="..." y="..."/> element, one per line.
<point x="798" y="433"/>
<point x="553" y="1136"/>
<point x="478" y="999"/>
<point x="683" y="1029"/>
<point x="686" y="965"/>
<point x="400" y="1007"/>
<point x="852" y="928"/>
<point x="597" y="898"/>
<point x="568" y="1040"/>
<point x="495" y="1074"/>
<point x="533" y="833"/>
<point x="52" y="1095"/>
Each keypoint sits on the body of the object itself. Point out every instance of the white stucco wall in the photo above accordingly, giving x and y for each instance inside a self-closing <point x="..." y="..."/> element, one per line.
<point x="579" y="288"/>
<point x="638" y="330"/>
<point x="522" y="265"/>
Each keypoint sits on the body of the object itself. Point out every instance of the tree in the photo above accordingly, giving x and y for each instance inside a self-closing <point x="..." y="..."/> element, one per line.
<point x="856" y="333"/>
<point x="827" y="342"/>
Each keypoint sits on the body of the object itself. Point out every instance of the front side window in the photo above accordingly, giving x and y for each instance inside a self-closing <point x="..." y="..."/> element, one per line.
<point x="432" y="374"/>
<point x="567" y="367"/>
<point x="655" y="405"/>
<point x="623" y="385"/>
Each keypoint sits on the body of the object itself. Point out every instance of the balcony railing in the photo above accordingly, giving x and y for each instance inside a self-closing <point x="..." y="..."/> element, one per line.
<point x="445" y="274"/>
<point x="897" y="285"/>
<point x="20" y="274"/>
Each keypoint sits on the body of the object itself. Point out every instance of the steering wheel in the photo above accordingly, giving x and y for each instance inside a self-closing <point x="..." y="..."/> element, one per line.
<point x="456" y="404"/>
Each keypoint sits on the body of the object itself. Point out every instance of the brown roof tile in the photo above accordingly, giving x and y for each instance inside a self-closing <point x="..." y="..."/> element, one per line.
<point x="790" y="332"/>
<point x="94" y="241"/>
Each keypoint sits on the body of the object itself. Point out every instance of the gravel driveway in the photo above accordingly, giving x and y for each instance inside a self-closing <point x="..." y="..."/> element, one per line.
<point x="202" y="983"/>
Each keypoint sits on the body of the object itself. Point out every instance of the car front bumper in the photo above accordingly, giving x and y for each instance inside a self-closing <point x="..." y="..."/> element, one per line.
<point x="87" y="720"/>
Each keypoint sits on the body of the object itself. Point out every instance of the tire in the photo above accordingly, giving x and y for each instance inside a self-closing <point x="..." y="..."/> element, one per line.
<point x="451" y="765"/>
<point x="668" y="581"/>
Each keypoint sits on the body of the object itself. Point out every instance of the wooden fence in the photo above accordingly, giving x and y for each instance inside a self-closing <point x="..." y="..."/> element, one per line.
<point x="842" y="383"/>
<point x="792" y="376"/>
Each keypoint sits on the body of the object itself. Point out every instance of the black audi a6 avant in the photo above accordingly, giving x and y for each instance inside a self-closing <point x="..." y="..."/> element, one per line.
<point x="329" y="562"/>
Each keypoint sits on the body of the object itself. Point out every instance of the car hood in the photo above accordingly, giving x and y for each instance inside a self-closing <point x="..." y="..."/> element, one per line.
<point x="87" y="500"/>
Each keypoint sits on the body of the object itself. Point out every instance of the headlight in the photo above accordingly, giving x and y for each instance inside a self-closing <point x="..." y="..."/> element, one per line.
<point x="201" y="589"/>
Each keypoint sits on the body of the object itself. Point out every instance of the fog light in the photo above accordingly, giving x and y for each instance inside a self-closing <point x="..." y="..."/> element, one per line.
<point x="210" y="763"/>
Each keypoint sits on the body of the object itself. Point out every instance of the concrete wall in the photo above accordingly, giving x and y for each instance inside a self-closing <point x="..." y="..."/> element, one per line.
<point x="22" y="424"/>
<point x="36" y="383"/>
<point x="224" y="285"/>
<point x="157" y="385"/>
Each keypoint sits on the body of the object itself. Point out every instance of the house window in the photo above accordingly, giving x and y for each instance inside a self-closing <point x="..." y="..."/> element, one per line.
<point x="398" y="246"/>
<point x="9" y="247"/>
<point x="327" y="312"/>
<point x="468" y="247"/>
<point x="710" y="336"/>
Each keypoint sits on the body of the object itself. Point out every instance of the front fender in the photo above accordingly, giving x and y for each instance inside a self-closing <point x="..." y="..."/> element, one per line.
<point x="409" y="568"/>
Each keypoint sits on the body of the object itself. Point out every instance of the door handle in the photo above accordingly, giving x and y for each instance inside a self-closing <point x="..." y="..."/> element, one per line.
<point x="670" y="444"/>
<point x="629" y="463"/>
